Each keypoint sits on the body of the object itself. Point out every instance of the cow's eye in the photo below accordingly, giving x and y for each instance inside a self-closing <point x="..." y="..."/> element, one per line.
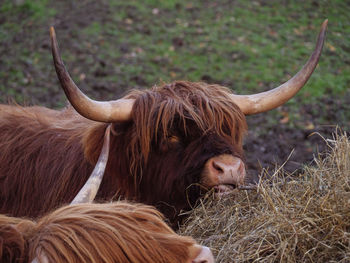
<point x="169" y="143"/>
<point x="173" y="139"/>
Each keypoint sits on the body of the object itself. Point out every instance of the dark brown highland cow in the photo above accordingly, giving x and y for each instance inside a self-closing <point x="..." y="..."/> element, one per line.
<point x="167" y="143"/>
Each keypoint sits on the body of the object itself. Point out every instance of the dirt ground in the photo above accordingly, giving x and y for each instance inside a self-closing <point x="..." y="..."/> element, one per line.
<point x="295" y="131"/>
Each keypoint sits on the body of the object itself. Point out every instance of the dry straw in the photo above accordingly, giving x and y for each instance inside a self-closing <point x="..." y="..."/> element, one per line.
<point x="288" y="218"/>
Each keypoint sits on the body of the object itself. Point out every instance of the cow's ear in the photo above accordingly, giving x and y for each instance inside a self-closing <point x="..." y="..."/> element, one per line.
<point x="93" y="141"/>
<point x="13" y="238"/>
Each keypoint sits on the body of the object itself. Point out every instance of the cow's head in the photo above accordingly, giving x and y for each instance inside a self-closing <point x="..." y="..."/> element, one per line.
<point x="183" y="134"/>
<point x="110" y="232"/>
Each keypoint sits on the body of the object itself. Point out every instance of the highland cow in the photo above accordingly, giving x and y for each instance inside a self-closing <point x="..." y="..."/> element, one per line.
<point x="168" y="144"/>
<point x="111" y="232"/>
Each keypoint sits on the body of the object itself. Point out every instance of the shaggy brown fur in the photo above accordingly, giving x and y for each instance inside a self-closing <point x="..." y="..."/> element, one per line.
<point x="156" y="159"/>
<point x="114" y="232"/>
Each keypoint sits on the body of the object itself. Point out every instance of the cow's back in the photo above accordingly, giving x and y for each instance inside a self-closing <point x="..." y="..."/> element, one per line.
<point x="42" y="162"/>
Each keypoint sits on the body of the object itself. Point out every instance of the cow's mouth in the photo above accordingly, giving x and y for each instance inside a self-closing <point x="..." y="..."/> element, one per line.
<point x="223" y="189"/>
<point x="226" y="189"/>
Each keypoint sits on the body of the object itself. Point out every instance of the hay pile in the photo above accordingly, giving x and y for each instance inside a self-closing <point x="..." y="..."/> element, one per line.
<point x="304" y="218"/>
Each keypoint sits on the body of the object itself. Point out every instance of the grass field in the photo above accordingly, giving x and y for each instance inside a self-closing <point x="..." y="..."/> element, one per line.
<point x="248" y="46"/>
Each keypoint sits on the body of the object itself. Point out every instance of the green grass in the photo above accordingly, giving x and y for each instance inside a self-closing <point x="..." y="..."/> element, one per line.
<point x="35" y="10"/>
<point x="248" y="46"/>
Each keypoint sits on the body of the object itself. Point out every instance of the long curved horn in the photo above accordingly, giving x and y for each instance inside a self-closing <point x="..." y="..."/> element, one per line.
<point x="88" y="192"/>
<point x="109" y="111"/>
<point x="268" y="100"/>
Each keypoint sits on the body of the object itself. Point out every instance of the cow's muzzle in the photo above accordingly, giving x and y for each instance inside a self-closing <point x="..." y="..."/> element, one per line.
<point x="224" y="173"/>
